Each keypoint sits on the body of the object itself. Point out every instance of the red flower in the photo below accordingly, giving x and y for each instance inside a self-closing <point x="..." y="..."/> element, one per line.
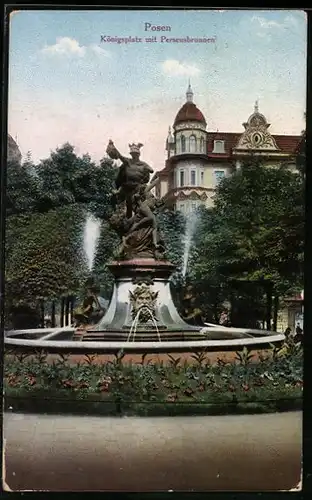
<point x="83" y="385"/>
<point x="68" y="383"/>
<point x="231" y="388"/>
<point x="104" y="383"/>
<point x="188" y="391"/>
<point x="32" y="380"/>
<point x="245" y="387"/>
<point x="104" y="387"/>
<point x="12" y="379"/>
<point x="171" y="398"/>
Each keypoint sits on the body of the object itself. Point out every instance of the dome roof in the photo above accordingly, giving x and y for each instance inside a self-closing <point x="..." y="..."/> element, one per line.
<point x="189" y="111"/>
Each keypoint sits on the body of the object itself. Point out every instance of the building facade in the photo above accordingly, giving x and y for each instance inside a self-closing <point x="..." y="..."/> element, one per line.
<point x="198" y="159"/>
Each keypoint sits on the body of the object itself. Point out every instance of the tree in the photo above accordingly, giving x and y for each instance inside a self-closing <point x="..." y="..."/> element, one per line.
<point x="47" y="206"/>
<point x="250" y="241"/>
<point x="44" y="255"/>
<point x="172" y="229"/>
<point x="22" y="188"/>
<point x="212" y="288"/>
<point x="65" y="179"/>
<point x="107" y="245"/>
<point x="259" y="213"/>
<point x="301" y="155"/>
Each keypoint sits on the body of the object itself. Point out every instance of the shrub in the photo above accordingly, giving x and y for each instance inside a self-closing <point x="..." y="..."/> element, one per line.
<point x="265" y="385"/>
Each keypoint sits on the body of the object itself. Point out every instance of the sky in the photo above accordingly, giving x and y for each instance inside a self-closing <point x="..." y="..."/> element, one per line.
<point x="66" y="85"/>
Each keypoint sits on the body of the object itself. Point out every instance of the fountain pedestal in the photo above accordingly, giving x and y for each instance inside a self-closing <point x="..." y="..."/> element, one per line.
<point x="141" y="307"/>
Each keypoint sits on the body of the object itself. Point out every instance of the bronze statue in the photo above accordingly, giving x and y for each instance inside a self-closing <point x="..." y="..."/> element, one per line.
<point x="132" y="174"/>
<point x="134" y="218"/>
<point x="90" y="311"/>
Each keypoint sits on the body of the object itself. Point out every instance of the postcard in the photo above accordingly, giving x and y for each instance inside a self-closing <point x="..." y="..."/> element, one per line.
<point x="154" y="248"/>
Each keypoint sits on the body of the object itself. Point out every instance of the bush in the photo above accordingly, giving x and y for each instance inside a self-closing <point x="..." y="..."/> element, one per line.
<point x="272" y="384"/>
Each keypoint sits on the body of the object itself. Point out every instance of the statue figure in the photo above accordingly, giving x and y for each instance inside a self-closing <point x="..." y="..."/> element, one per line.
<point x="90" y="311"/>
<point x="132" y="174"/>
<point x="134" y="218"/>
<point x="191" y="313"/>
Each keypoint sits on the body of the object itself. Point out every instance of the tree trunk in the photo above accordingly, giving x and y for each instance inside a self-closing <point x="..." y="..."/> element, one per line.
<point x="66" y="311"/>
<point x="62" y="311"/>
<point x="72" y="300"/>
<point x="269" y="307"/>
<point x="275" y="312"/>
<point x="42" y="313"/>
<point x="53" y="314"/>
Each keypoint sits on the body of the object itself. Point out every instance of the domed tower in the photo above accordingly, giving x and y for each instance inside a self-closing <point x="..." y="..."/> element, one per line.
<point x="187" y="156"/>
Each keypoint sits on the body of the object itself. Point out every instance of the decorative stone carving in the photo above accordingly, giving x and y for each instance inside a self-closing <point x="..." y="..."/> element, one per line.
<point x="147" y="280"/>
<point x="189" y="125"/>
<point x="257" y="140"/>
<point x="194" y="196"/>
<point x="256" y="135"/>
<point x="143" y="303"/>
<point x="181" y="196"/>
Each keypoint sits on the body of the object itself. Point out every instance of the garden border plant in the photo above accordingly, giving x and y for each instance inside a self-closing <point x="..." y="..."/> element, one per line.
<point x="272" y="383"/>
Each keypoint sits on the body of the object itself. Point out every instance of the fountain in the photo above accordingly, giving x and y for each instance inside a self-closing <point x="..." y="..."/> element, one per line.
<point x="141" y="316"/>
<point x="190" y="228"/>
<point x="90" y="238"/>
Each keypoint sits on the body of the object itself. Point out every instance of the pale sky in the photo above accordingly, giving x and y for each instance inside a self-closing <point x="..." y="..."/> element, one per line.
<point x="65" y="85"/>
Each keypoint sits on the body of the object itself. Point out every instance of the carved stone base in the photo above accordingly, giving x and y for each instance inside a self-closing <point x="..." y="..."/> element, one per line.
<point x="141" y="284"/>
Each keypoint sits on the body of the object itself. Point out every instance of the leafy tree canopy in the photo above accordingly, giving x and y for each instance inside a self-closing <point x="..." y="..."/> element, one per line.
<point x="257" y="227"/>
<point x="44" y="257"/>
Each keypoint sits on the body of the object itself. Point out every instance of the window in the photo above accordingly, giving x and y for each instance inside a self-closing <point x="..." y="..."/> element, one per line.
<point x="182" y="208"/>
<point x="182" y="179"/>
<point x="219" y="175"/>
<point x="182" y="143"/>
<point x="202" y="178"/>
<point x="218" y="147"/>
<point x="202" y="145"/>
<point x="193" y="144"/>
<point x="193" y="177"/>
<point x="194" y="206"/>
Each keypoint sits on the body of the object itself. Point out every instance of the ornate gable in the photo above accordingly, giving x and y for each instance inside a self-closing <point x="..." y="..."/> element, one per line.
<point x="256" y="136"/>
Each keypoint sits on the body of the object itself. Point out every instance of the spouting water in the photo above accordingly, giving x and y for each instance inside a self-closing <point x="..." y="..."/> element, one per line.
<point x="135" y="322"/>
<point x="190" y="228"/>
<point x="90" y="238"/>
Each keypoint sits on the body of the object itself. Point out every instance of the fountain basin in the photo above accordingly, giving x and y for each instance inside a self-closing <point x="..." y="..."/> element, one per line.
<point x="75" y="347"/>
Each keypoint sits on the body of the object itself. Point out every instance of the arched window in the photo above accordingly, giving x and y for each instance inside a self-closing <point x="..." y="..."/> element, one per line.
<point x="218" y="147"/>
<point x="182" y="143"/>
<point x="202" y="145"/>
<point x="193" y="144"/>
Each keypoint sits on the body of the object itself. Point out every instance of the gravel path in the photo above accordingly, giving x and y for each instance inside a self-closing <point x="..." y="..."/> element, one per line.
<point x="240" y="453"/>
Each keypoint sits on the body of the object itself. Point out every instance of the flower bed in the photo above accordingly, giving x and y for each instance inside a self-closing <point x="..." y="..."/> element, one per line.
<point x="273" y="383"/>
